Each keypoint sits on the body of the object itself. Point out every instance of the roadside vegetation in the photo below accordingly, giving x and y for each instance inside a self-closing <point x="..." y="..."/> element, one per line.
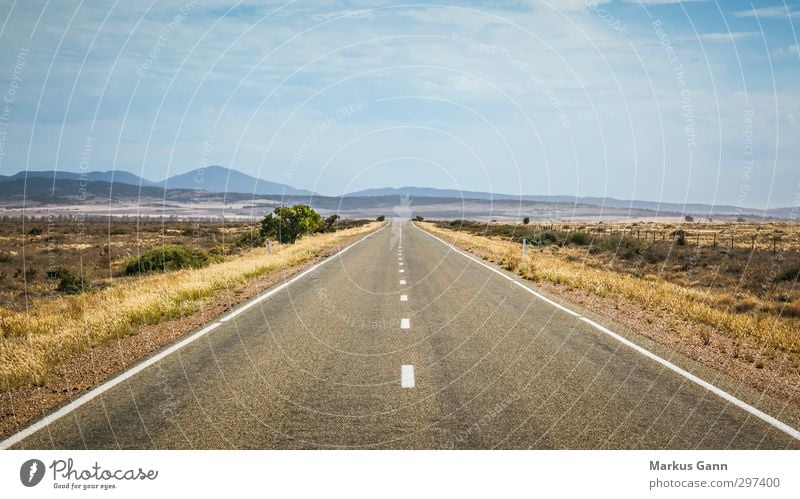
<point x="41" y="260"/>
<point x="748" y="293"/>
<point x="69" y="311"/>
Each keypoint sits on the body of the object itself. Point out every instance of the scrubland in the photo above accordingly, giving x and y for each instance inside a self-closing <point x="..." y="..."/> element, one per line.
<point x="41" y="326"/>
<point x="746" y="290"/>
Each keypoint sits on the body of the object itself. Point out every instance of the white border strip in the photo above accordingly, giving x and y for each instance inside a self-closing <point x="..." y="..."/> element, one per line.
<point x="88" y="396"/>
<point x="647" y="353"/>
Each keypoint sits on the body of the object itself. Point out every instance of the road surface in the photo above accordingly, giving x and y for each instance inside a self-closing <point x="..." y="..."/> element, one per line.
<point x="403" y="342"/>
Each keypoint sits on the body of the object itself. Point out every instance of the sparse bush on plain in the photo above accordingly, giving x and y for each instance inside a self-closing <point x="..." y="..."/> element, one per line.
<point x="167" y="258"/>
<point x="69" y="282"/>
<point x="251" y="239"/>
<point x="580" y="238"/>
<point x="329" y="224"/>
<point x="381" y="218"/>
<point x="792" y="274"/>
<point x="543" y="238"/>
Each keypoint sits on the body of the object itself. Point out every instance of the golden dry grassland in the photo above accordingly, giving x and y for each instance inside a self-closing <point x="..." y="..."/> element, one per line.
<point x="34" y="342"/>
<point x="758" y="325"/>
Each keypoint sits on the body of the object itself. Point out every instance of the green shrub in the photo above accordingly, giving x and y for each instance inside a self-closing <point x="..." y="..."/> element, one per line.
<point x="580" y="238"/>
<point x="543" y="238"/>
<point x="793" y="274"/>
<point x="623" y="246"/>
<point x="381" y="218"/>
<point x="251" y="239"/>
<point x="166" y="258"/>
<point x="329" y="224"/>
<point x="69" y="282"/>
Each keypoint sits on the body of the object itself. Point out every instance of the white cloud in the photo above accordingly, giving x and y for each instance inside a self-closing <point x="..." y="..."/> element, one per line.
<point x="790" y="51"/>
<point x="771" y="12"/>
<point x="662" y="2"/>
<point x="722" y="37"/>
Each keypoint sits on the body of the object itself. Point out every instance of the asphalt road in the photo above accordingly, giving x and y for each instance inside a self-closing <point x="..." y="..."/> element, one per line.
<point x="458" y="356"/>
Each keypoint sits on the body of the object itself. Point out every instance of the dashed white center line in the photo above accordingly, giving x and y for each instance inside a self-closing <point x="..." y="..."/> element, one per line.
<point x="401" y="264"/>
<point x="402" y="281"/>
<point x="401" y="271"/>
<point x="403" y="297"/>
<point x="405" y="323"/>
<point x="407" y="376"/>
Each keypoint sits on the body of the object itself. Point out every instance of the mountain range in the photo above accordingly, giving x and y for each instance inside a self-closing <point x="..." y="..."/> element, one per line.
<point x="211" y="178"/>
<point x="218" y="183"/>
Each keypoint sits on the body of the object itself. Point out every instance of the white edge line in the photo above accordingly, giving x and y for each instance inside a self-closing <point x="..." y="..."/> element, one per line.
<point x="647" y="353"/>
<point x="86" y="397"/>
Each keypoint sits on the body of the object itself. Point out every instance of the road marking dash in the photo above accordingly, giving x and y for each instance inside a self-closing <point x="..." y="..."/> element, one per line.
<point x="402" y="281"/>
<point x="405" y="323"/>
<point x="407" y="376"/>
<point x="401" y="271"/>
<point x="403" y="297"/>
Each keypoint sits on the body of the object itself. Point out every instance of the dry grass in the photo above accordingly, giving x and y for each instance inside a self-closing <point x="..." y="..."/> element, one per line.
<point x="777" y="235"/>
<point x="746" y="319"/>
<point x="32" y="344"/>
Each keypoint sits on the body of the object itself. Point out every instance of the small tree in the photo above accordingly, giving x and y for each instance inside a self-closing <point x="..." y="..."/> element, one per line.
<point x="689" y="218"/>
<point x="329" y="225"/>
<point x="526" y="220"/>
<point x="381" y="218"/>
<point x="419" y="219"/>
<point x="287" y="223"/>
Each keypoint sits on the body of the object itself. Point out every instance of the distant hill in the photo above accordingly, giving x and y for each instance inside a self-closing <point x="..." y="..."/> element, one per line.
<point x="68" y="190"/>
<point x="115" y="176"/>
<point x="218" y="184"/>
<point x="220" y="179"/>
<point x="697" y="209"/>
<point x="211" y="179"/>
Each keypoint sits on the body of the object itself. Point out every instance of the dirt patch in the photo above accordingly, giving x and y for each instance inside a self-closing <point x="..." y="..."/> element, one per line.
<point x="80" y="373"/>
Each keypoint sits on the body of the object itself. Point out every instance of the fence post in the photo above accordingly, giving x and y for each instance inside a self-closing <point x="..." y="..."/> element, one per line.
<point x="524" y="244"/>
<point x="269" y="247"/>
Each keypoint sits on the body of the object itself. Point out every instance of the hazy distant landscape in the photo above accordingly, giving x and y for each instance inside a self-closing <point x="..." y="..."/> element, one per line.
<point x="217" y="192"/>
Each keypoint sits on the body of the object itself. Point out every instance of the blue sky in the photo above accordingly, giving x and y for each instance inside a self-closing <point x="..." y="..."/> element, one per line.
<point x="660" y="100"/>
